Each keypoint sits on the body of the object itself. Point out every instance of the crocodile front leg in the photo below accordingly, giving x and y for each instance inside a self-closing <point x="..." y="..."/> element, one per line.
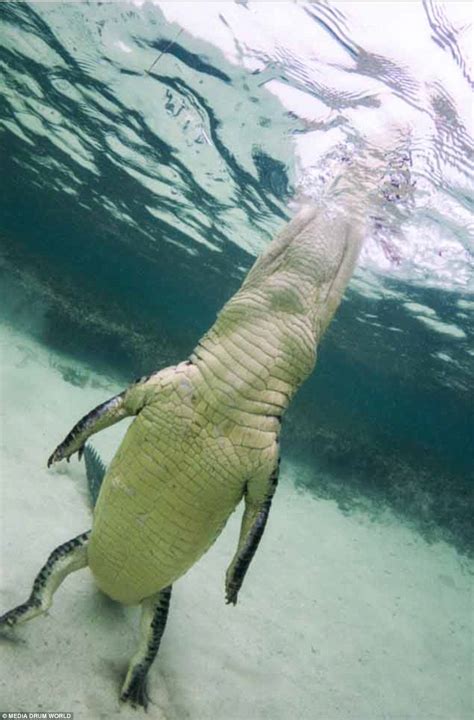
<point x="129" y="402"/>
<point x="101" y="417"/>
<point x="258" y="500"/>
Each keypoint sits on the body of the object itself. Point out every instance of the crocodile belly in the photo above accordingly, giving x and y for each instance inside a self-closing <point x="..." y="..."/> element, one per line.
<point x="160" y="508"/>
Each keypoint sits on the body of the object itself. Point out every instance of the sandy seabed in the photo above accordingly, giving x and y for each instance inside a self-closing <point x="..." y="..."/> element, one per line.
<point x="340" y="617"/>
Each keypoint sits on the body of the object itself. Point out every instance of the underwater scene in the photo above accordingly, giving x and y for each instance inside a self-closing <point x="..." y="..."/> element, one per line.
<point x="149" y="152"/>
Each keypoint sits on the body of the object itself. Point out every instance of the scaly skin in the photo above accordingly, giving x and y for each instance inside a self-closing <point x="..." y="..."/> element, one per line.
<point x="177" y="476"/>
<point x="206" y="432"/>
<point x="209" y="427"/>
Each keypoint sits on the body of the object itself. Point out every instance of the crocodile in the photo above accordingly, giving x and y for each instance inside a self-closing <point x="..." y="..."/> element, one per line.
<point x="205" y="434"/>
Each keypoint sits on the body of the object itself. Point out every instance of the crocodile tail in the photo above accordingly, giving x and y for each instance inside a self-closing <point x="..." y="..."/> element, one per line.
<point x="95" y="471"/>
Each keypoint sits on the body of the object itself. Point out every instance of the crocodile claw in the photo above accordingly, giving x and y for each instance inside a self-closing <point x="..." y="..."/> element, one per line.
<point x="231" y="595"/>
<point x="136" y="695"/>
<point x="61" y="454"/>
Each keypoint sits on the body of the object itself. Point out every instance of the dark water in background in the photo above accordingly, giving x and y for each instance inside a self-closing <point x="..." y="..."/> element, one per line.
<point x="132" y="204"/>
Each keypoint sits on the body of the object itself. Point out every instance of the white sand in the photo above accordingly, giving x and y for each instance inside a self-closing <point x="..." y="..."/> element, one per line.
<point x="339" y="617"/>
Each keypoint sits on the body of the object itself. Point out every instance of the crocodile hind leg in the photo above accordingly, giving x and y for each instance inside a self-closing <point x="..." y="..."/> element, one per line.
<point x="152" y="626"/>
<point x="64" y="560"/>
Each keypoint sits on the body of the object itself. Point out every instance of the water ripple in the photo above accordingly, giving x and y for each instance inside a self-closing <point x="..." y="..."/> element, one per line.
<point x="189" y="131"/>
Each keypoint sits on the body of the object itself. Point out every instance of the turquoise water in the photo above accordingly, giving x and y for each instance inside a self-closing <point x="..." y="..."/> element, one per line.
<point x="149" y="151"/>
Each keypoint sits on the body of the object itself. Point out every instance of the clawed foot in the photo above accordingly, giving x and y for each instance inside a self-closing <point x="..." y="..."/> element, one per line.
<point x="231" y="598"/>
<point x="7" y="623"/>
<point x="232" y="586"/>
<point x="136" y="693"/>
<point x="21" y="613"/>
<point x="231" y="593"/>
<point x="7" y="631"/>
<point x="63" y="453"/>
<point x="11" y="619"/>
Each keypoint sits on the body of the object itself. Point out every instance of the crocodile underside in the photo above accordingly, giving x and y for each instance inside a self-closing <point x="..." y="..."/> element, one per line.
<point x="177" y="476"/>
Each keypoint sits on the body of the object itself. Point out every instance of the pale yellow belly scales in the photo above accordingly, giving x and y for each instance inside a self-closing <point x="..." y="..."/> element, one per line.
<point x="161" y="506"/>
